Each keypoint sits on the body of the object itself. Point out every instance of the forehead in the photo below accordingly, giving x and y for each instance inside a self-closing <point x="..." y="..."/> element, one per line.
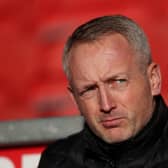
<point x="110" y="54"/>
<point x="107" y="41"/>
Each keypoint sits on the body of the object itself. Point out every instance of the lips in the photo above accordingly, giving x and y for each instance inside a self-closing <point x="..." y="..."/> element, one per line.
<point x="112" y="122"/>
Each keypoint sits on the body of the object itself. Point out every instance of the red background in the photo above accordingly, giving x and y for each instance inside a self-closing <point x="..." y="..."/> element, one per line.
<point x="32" y="35"/>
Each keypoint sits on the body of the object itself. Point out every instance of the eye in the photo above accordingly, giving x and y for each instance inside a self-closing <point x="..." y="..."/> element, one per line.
<point x="118" y="83"/>
<point x="88" y="91"/>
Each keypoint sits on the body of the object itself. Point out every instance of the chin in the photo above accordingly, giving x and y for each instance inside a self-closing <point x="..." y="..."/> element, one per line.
<point x="116" y="137"/>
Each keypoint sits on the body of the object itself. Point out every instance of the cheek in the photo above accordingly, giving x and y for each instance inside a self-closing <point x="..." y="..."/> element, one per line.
<point x="137" y="95"/>
<point x="88" y="108"/>
<point x="138" y="103"/>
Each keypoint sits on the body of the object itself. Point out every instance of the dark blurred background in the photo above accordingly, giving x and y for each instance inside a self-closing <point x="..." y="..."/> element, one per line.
<point x="32" y="36"/>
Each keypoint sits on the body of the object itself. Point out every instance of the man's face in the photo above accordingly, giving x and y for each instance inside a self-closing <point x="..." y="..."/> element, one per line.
<point x="110" y="90"/>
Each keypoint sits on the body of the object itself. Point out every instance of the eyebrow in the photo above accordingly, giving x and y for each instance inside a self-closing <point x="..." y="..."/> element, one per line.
<point x="87" y="86"/>
<point x="113" y="77"/>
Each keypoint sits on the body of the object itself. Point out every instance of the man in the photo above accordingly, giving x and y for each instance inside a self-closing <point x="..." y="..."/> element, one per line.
<point x="116" y="86"/>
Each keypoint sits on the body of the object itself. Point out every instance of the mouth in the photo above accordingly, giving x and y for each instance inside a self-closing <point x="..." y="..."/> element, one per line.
<point x="112" y="122"/>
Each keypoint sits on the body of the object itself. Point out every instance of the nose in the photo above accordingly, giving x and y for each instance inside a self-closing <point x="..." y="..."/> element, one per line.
<point x="106" y="102"/>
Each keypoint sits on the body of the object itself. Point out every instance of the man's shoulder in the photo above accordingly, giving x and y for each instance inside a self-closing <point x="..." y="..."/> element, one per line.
<point x="65" y="144"/>
<point x="62" y="151"/>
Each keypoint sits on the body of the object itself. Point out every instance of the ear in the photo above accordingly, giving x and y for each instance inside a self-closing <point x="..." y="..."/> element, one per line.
<point x="154" y="78"/>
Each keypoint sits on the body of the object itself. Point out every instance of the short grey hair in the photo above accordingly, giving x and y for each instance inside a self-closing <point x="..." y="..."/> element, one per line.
<point x="106" y="25"/>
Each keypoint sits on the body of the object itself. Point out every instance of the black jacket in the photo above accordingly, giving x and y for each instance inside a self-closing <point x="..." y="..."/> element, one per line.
<point x="149" y="149"/>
